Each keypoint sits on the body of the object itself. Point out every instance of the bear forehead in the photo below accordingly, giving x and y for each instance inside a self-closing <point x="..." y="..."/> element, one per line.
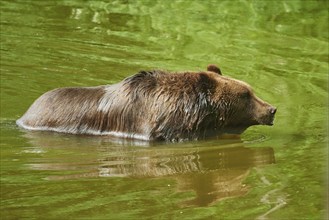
<point x="231" y="81"/>
<point x="233" y="84"/>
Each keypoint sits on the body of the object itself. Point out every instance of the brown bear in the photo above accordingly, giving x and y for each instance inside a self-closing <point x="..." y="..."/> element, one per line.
<point x="153" y="105"/>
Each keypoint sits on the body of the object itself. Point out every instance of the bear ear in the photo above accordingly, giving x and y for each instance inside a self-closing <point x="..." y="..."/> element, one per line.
<point x="214" y="68"/>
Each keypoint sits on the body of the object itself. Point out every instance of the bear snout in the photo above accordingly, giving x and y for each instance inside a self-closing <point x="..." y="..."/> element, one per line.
<point x="270" y="116"/>
<point x="272" y="110"/>
<point x="264" y="113"/>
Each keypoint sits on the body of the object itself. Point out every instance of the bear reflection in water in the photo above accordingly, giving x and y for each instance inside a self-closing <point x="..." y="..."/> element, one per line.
<point x="213" y="169"/>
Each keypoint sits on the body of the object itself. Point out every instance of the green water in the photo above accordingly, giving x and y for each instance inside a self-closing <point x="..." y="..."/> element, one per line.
<point x="279" y="47"/>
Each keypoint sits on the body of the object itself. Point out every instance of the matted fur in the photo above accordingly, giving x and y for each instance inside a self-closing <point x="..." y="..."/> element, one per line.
<point x="152" y="105"/>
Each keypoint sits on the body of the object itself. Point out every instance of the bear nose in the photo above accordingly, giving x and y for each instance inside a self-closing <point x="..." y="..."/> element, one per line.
<point x="272" y="110"/>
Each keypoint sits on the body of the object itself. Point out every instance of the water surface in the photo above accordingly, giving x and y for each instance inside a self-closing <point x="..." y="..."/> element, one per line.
<point x="279" y="47"/>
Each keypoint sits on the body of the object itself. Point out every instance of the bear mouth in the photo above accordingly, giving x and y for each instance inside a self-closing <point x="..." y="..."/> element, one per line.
<point x="268" y="120"/>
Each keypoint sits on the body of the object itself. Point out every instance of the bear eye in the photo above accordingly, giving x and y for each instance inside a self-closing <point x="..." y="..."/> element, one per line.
<point x="245" y="95"/>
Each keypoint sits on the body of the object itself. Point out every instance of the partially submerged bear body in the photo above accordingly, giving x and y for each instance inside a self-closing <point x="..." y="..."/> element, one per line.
<point x="153" y="105"/>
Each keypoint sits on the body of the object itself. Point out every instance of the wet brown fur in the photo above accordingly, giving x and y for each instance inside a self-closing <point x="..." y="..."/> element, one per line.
<point x="153" y="104"/>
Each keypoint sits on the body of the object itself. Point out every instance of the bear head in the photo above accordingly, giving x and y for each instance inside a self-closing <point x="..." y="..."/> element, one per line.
<point x="237" y="105"/>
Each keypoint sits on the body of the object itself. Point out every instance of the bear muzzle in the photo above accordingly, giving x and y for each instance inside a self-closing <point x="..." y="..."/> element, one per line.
<point x="268" y="119"/>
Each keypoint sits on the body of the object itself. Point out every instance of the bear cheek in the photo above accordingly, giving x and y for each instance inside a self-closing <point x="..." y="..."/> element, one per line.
<point x="250" y="118"/>
<point x="244" y="115"/>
